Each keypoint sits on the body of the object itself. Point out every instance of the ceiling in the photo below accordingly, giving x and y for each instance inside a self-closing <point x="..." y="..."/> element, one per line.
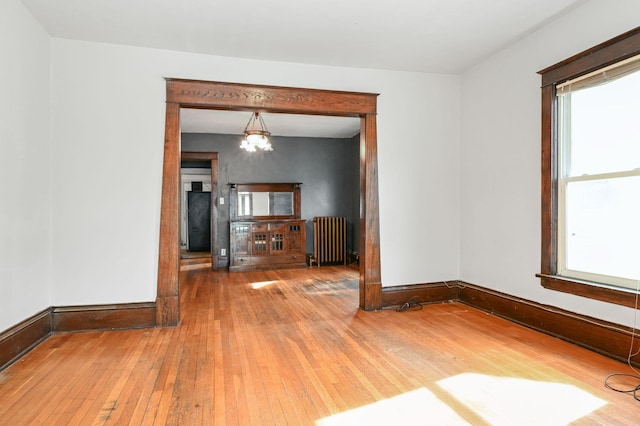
<point x="234" y="122"/>
<point x="433" y="36"/>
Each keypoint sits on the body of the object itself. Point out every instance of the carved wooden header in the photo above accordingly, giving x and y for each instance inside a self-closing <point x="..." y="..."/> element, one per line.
<point x="235" y="96"/>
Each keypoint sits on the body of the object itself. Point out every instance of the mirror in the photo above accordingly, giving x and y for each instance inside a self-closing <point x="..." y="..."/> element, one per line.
<point x="265" y="204"/>
<point x="264" y="201"/>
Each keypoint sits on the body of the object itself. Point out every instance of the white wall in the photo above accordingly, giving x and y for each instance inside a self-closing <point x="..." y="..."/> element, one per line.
<point x="500" y="156"/>
<point x="108" y="120"/>
<point x="25" y="191"/>
<point x="460" y="200"/>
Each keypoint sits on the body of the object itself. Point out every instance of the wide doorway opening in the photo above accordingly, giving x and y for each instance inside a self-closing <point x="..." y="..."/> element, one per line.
<point x="242" y="97"/>
<point x="319" y="153"/>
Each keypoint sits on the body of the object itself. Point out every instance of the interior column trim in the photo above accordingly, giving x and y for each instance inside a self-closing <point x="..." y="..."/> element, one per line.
<point x="246" y="97"/>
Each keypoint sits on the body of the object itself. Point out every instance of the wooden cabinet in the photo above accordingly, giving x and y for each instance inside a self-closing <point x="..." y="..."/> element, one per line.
<point x="267" y="244"/>
<point x="267" y="231"/>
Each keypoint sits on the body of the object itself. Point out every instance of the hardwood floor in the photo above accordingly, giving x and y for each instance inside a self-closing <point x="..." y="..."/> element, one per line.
<point x="291" y="347"/>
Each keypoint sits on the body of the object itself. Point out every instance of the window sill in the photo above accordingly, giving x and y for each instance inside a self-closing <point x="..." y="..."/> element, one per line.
<point x="592" y="290"/>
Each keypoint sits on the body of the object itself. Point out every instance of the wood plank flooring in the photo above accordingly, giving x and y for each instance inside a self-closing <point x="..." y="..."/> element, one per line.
<point x="291" y="347"/>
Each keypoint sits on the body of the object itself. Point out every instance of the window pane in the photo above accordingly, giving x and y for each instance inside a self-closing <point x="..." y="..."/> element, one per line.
<point x="603" y="227"/>
<point x="604" y="130"/>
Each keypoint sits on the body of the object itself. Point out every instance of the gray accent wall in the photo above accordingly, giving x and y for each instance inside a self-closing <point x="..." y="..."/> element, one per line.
<point x="329" y="170"/>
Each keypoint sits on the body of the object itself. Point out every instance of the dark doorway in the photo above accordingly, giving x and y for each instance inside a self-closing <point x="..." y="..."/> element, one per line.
<point x="199" y="221"/>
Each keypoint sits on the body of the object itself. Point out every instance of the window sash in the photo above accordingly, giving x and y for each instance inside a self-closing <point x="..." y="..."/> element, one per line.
<point x="564" y="180"/>
<point x="562" y="268"/>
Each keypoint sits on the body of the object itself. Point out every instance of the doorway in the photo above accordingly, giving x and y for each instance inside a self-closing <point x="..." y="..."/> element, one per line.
<point x="195" y="210"/>
<point x="243" y="97"/>
<point x="203" y="167"/>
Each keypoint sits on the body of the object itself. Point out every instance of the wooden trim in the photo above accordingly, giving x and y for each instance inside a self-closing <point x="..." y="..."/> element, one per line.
<point x="246" y="97"/>
<point x="611" y="51"/>
<point x="549" y="183"/>
<point x="253" y="97"/>
<point x="293" y="187"/>
<point x="604" y="54"/>
<point x="612" y="340"/>
<point x="194" y="261"/>
<point x="267" y="187"/>
<point x="437" y="292"/>
<point x="21" y="338"/>
<point x="195" y="156"/>
<point x="168" y="313"/>
<point x="362" y="290"/>
<point x="370" y="278"/>
<point x="103" y="317"/>
<point x="589" y="289"/>
<point x="600" y="336"/>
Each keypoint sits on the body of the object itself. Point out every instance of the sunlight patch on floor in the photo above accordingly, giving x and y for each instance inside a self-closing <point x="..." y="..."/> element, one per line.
<point x="261" y="284"/>
<point x="510" y="401"/>
<point x="417" y="407"/>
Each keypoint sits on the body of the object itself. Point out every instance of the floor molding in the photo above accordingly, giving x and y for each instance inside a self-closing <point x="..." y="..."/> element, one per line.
<point x="104" y="317"/>
<point x="437" y="292"/>
<point x="606" y="338"/>
<point x="612" y="340"/>
<point x="19" y="339"/>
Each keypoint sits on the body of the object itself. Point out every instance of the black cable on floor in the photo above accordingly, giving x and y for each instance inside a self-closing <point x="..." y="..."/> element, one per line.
<point x="633" y="391"/>
<point x="415" y="304"/>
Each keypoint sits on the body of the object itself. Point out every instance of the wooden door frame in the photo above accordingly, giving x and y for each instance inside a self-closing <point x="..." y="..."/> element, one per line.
<point x="212" y="159"/>
<point x="247" y="97"/>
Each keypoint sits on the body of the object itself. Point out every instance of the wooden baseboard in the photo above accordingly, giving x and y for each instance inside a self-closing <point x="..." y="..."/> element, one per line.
<point x="104" y="317"/>
<point x="609" y="339"/>
<point x="19" y="339"/>
<point x="606" y="338"/>
<point x="437" y="292"/>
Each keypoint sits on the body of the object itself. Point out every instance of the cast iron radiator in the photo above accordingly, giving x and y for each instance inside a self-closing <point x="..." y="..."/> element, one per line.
<point x="330" y="239"/>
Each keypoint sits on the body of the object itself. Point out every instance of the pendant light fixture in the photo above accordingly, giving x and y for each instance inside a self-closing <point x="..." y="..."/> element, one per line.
<point x="256" y="135"/>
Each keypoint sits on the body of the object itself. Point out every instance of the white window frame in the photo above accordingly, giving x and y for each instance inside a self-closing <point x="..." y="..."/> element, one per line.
<point x="564" y="139"/>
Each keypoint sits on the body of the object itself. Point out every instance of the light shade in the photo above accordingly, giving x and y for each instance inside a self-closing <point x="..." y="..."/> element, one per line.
<point x="256" y="135"/>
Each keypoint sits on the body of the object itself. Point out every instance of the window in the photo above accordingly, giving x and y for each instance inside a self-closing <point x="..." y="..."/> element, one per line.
<point x="591" y="172"/>
<point x="599" y="177"/>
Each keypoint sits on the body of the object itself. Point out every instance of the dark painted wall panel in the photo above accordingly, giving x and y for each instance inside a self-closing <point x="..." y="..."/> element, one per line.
<point x="328" y="169"/>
